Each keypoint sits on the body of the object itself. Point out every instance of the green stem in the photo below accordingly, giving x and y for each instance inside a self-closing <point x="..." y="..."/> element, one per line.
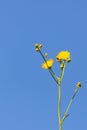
<point x="50" y="69"/>
<point x="60" y="128"/>
<point x="59" y="97"/>
<point x="62" y="72"/>
<point x="59" y="103"/>
<point x="66" y="112"/>
<point x="59" y="107"/>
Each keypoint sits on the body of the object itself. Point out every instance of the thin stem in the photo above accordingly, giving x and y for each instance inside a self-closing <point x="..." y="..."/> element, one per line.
<point x="43" y="57"/>
<point x="53" y="75"/>
<point x="59" y="97"/>
<point x="62" y="72"/>
<point x="50" y="69"/>
<point x="60" y="128"/>
<point x="59" y="103"/>
<point x="66" y="112"/>
<point x="59" y="107"/>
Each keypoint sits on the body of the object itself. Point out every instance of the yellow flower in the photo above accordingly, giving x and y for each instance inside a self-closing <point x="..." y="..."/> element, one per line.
<point x="78" y="85"/>
<point x="48" y="64"/>
<point x="63" y="56"/>
<point x="38" y="46"/>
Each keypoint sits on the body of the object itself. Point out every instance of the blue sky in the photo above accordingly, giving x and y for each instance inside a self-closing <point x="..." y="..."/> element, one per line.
<point x="28" y="94"/>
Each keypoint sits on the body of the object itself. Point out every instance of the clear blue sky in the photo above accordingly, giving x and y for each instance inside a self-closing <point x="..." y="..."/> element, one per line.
<point x="28" y="94"/>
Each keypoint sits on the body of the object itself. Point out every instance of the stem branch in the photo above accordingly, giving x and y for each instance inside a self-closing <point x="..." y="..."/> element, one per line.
<point x="69" y="105"/>
<point x="59" y="97"/>
<point x="50" y="69"/>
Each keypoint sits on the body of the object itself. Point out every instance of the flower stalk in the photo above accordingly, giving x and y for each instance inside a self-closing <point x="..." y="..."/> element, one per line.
<point x="63" y="58"/>
<point x="69" y="105"/>
<point x="59" y="96"/>
<point x="54" y="76"/>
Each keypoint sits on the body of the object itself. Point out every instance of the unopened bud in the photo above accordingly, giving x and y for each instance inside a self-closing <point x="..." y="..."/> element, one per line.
<point x="69" y="59"/>
<point x="78" y="85"/>
<point x="40" y="45"/>
<point x="46" y="55"/>
<point x="36" y="45"/>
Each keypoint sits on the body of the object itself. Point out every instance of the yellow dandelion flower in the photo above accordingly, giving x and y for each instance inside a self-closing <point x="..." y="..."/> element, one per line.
<point x="78" y="85"/>
<point x="48" y="64"/>
<point x="63" y="56"/>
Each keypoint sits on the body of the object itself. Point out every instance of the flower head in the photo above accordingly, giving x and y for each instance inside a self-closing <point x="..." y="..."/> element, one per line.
<point x="38" y="46"/>
<point x="63" y="56"/>
<point x="48" y="64"/>
<point x="78" y="85"/>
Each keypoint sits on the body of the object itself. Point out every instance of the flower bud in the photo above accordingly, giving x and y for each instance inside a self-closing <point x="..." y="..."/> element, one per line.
<point x="40" y="46"/>
<point x="69" y="59"/>
<point x="46" y="55"/>
<point x="78" y="85"/>
<point x="36" y="45"/>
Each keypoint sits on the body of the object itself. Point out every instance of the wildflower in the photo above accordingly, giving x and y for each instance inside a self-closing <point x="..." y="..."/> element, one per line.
<point x="38" y="46"/>
<point x="78" y="85"/>
<point x="63" y="56"/>
<point x="48" y="64"/>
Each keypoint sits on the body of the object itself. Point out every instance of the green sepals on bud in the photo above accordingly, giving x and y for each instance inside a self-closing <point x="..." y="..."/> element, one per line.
<point x="78" y="85"/>
<point x="69" y="59"/>
<point x="38" y="46"/>
<point x="46" y="55"/>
